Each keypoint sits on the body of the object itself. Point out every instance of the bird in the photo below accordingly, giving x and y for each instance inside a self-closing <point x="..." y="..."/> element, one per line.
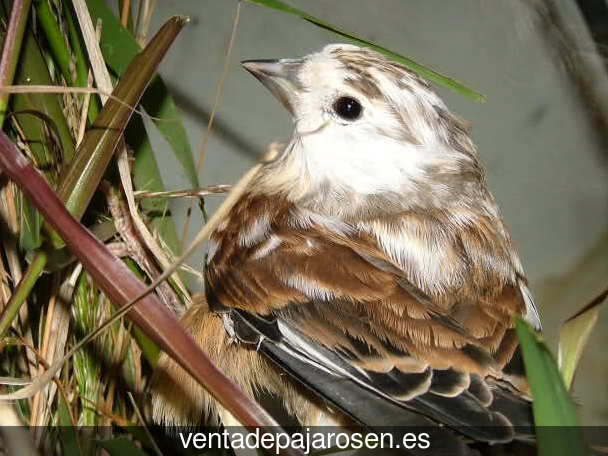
<point x="365" y="274"/>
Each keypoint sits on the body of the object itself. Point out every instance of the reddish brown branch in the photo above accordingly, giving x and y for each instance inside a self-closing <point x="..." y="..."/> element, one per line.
<point x="121" y="286"/>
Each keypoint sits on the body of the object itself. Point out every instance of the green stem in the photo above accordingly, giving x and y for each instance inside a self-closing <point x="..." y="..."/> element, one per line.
<point x="61" y="51"/>
<point x="22" y="291"/>
<point x="57" y="43"/>
<point x="11" y="49"/>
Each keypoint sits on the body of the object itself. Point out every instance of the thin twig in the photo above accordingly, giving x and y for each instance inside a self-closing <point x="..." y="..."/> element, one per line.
<point x="77" y="90"/>
<point x="188" y="193"/>
<point x="218" y="98"/>
<point x="124" y="13"/>
<point x="136" y="249"/>
<point x="585" y="69"/>
<point x="143" y="423"/>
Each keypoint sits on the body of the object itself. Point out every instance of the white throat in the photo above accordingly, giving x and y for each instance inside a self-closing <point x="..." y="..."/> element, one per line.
<point x="338" y="170"/>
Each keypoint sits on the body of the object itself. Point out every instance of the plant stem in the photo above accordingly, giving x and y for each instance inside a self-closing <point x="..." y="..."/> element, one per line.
<point x="22" y="292"/>
<point x="55" y="38"/>
<point x="11" y="49"/>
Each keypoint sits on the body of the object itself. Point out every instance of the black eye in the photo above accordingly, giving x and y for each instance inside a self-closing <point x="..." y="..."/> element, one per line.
<point x="348" y="108"/>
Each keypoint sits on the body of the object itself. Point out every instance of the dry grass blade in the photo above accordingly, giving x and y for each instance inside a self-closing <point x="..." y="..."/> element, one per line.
<point x="89" y="33"/>
<point x="574" y="335"/>
<point x="189" y="193"/>
<point x="73" y="90"/>
<point x="54" y="337"/>
<point x="14" y="381"/>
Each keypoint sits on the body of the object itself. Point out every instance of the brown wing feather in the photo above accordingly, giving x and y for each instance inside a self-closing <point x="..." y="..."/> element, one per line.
<point x="341" y="290"/>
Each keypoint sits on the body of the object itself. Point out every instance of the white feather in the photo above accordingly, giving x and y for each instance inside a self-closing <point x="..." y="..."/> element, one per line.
<point x="255" y="232"/>
<point x="532" y="315"/>
<point x="268" y="246"/>
<point x="311" y="288"/>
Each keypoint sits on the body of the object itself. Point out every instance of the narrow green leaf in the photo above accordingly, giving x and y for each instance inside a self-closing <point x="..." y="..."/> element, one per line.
<point x="421" y="70"/>
<point x="62" y="55"/>
<point x="22" y="292"/>
<point x="55" y="38"/>
<point x="160" y="106"/>
<point x="149" y="349"/>
<point x="30" y="224"/>
<point x="551" y="404"/>
<point x="32" y="69"/>
<point x="574" y="335"/>
<point x="119" y="47"/>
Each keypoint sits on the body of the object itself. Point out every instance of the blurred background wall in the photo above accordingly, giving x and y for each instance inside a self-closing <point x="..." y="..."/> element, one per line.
<point x="546" y="160"/>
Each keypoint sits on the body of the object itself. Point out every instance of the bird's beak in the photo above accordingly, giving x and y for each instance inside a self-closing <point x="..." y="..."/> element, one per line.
<point x="279" y="76"/>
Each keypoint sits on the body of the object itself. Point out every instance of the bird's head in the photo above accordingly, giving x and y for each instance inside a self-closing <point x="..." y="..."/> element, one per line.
<point x="366" y="128"/>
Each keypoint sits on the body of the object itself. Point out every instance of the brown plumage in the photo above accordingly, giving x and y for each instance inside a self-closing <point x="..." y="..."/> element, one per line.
<point x="368" y="261"/>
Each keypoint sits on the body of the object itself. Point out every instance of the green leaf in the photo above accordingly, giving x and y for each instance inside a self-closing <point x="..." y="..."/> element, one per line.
<point x="149" y="348"/>
<point x="121" y="447"/>
<point x="119" y="47"/>
<point x="32" y="69"/>
<point x="551" y="404"/>
<point x="55" y="38"/>
<point x="421" y="70"/>
<point x="574" y="335"/>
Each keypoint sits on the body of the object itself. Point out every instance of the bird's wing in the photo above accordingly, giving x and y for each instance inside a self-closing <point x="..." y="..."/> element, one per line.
<point x="346" y="322"/>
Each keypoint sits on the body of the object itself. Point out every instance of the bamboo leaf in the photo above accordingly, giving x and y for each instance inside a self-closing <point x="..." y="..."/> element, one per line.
<point x="551" y="404"/>
<point x="421" y="70"/>
<point x="574" y="335"/>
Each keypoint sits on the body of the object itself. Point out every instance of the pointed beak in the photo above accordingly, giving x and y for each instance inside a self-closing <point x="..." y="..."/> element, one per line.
<point x="280" y="77"/>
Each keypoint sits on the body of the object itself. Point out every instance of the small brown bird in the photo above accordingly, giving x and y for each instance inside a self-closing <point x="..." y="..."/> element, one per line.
<point x="368" y="262"/>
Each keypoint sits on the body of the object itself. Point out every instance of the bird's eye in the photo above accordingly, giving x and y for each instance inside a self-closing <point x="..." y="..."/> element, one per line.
<point x="348" y="108"/>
